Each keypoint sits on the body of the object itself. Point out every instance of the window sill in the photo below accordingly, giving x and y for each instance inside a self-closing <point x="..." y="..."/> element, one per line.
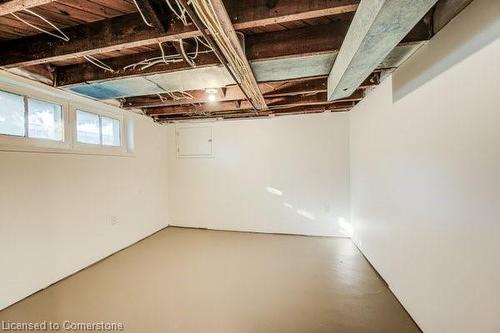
<point x="66" y="150"/>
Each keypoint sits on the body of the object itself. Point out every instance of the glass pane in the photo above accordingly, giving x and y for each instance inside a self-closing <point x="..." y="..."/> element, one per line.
<point x="87" y="128"/>
<point x="110" y="131"/>
<point x="45" y="120"/>
<point x="11" y="114"/>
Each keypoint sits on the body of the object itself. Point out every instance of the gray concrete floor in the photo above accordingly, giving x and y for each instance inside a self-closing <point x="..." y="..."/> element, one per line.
<point x="188" y="281"/>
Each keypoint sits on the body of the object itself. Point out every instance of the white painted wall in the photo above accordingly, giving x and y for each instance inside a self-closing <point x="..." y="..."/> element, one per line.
<point x="56" y="209"/>
<point x="305" y="158"/>
<point x="425" y="177"/>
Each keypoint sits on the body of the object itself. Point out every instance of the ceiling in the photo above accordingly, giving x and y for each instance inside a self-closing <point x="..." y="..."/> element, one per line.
<point x="286" y="48"/>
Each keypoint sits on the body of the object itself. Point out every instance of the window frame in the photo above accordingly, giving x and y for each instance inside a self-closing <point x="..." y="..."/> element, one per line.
<point x="69" y="105"/>
<point x="12" y="142"/>
<point x="93" y="148"/>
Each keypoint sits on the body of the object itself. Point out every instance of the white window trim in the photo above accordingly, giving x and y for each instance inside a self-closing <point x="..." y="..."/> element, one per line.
<point x="12" y="142"/>
<point x="69" y="145"/>
<point x="99" y="148"/>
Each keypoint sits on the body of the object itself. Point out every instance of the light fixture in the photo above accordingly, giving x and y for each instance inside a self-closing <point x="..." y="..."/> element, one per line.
<point x="211" y="94"/>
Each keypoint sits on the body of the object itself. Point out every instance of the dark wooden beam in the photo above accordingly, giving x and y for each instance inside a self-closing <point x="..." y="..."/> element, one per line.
<point x="237" y="63"/>
<point x="250" y="14"/>
<point x="11" y="6"/>
<point x="294" y="110"/>
<point x="43" y="73"/>
<point x="156" y="13"/>
<point x="269" y="89"/>
<point x="311" y="40"/>
<point x="129" y="31"/>
<point x="109" y="35"/>
<point x="272" y="102"/>
<point x="86" y="72"/>
<point x="270" y="45"/>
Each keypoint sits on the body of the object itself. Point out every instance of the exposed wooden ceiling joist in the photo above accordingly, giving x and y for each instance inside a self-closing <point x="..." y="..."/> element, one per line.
<point x="156" y="14"/>
<point x="212" y="15"/>
<point x="270" y="45"/>
<point x="86" y="72"/>
<point x="11" y="6"/>
<point x="232" y="93"/>
<point x="280" y="36"/>
<point x="129" y="31"/>
<point x="293" y="110"/>
<point x="377" y="27"/>
<point x="319" y="39"/>
<point x="114" y="34"/>
<point x="272" y="102"/>
<point x="255" y="13"/>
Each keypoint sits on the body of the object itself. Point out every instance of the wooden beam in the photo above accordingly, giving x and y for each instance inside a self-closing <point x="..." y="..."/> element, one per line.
<point x="293" y="110"/>
<point x="377" y="27"/>
<point x="43" y="73"/>
<point x="129" y="31"/>
<point x="270" y="45"/>
<point x="114" y="34"/>
<point x="11" y="6"/>
<point x="269" y="89"/>
<point x="225" y="37"/>
<point x="155" y="13"/>
<point x="272" y="102"/>
<point x="86" y="72"/>
<point x="311" y="40"/>
<point x="250" y="14"/>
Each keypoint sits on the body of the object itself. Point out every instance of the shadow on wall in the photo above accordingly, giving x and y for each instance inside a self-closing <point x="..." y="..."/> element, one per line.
<point x="467" y="39"/>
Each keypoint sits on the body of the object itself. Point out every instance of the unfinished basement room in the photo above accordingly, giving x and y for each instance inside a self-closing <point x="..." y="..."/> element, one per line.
<point x="250" y="166"/>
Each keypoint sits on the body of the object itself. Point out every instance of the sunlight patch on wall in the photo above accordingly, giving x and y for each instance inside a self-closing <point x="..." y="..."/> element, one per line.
<point x="274" y="191"/>
<point x="306" y="214"/>
<point x="345" y="227"/>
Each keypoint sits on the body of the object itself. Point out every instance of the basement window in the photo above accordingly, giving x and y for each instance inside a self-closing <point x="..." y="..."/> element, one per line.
<point x="45" y="120"/>
<point x="12" y="113"/>
<point x="95" y="129"/>
<point x="30" y="118"/>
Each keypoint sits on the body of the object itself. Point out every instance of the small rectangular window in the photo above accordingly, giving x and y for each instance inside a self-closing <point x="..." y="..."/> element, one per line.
<point x="87" y="128"/>
<point x="110" y="131"/>
<point x="95" y="129"/>
<point x="12" y="114"/>
<point x="45" y="120"/>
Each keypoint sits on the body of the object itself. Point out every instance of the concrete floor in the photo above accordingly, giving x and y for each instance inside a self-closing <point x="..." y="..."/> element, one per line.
<point x="187" y="280"/>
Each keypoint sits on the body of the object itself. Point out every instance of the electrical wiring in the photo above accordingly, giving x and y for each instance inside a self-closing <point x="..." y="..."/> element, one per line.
<point x="181" y="15"/>
<point x="146" y="63"/>
<point x="185" y="56"/>
<point x="207" y="14"/>
<point x="149" y="24"/>
<point x="61" y="34"/>
<point x="175" y="96"/>
<point x="162" y="99"/>
<point x="166" y="59"/>
<point x="96" y="62"/>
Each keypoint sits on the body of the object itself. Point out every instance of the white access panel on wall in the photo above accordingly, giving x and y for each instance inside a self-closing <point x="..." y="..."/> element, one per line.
<point x="194" y="141"/>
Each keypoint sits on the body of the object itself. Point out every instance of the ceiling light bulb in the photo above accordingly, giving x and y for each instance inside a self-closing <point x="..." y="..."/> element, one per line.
<point x="211" y="94"/>
<point x="211" y="97"/>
